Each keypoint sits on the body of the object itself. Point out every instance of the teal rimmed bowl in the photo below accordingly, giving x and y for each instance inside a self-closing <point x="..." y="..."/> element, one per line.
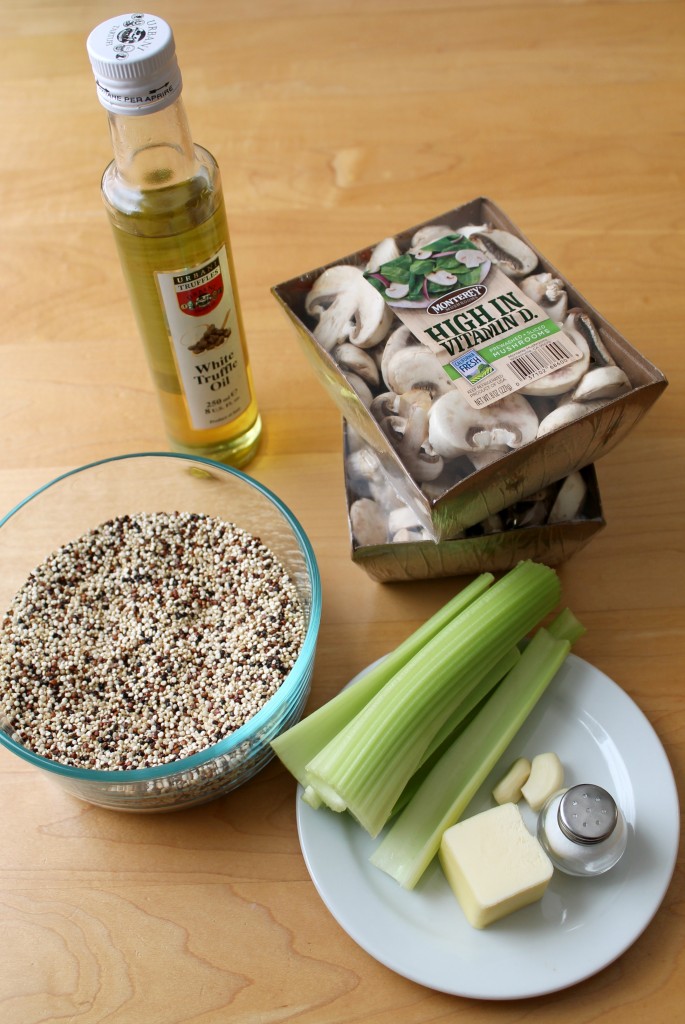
<point x="77" y="501"/>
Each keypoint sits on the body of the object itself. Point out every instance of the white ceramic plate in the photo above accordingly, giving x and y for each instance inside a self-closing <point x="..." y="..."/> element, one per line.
<point x="580" y="925"/>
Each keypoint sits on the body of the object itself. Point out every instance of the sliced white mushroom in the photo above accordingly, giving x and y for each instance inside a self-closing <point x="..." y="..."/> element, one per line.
<point x="481" y="459"/>
<point x="584" y="324"/>
<point x="350" y="358"/>
<point x="455" y="428"/>
<point x="569" y="501"/>
<point x="564" y="414"/>
<point x="371" y="325"/>
<point x="508" y="252"/>
<point x="376" y="352"/>
<point x="548" y="292"/>
<point x="361" y="387"/>
<point x="411" y="536"/>
<point x="348" y="308"/>
<point x="603" y="378"/>
<point x="361" y="467"/>
<point x="409" y="437"/>
<point x="400" y="338"/>
<point x="426" y="464"/>
<point x="471" y="229"/>
<point x="454" y="471"/>
<point x="367" y="478"/>
<point x="415" y="396"/>
<point x="384" y="252"/>
<point x="388" y="403"/>
<point x="601" y="382"/>
<point x="500" y="438"/>
<point x="368" y="521"/>
<point x="527" y="513"/>
<point x="430" y="233"/>
<point x="384" y="493"/>
<point x="353" y="439"/>
<point x="385" y="404"/>
<point x="403" y="518"/>
<point x="414" y="367"/>
<point x="558" y="382"/>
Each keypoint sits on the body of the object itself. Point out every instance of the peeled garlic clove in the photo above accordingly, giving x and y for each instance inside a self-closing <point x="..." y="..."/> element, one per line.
<point x="508" y="789"/>
<point x="546" y="777"/>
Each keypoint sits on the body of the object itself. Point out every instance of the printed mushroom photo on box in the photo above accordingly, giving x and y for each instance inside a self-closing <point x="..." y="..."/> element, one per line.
<point x="468" y="364"/>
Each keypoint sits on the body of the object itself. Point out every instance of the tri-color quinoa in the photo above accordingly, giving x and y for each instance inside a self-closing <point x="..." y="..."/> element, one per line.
<point x="146" y="640"/>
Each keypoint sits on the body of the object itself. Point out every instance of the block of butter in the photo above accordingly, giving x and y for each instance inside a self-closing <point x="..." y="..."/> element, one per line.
<point x="493" y="864"/>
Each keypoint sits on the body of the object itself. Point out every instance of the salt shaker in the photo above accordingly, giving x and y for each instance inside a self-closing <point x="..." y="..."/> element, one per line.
<point x="583" y="830"/>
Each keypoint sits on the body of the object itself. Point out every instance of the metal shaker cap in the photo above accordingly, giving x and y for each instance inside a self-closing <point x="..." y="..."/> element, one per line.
<point x="587" y="814"/>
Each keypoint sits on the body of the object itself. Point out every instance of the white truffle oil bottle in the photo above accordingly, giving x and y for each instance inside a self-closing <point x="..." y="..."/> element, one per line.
<point x="164" y="200"/>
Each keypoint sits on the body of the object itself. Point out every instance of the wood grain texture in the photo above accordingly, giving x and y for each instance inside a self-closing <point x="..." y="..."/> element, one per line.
<point x="335" y="123"/>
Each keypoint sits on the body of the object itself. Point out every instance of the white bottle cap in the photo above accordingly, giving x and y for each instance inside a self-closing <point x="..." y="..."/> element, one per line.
<point x="134" y="62"/>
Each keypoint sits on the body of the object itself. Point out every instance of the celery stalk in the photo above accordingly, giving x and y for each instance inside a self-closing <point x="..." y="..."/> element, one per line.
<point x="411" y="843"/>
<point x="472" y="700"/>
<point x="369" y="762"/>
<point x="455" y="723"/>
<point x="297" y="746"/>
<point x="566" y="626"/>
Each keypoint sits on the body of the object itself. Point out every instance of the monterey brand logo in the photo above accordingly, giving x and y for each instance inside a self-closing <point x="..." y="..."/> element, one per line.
<point x="457" y="300"/>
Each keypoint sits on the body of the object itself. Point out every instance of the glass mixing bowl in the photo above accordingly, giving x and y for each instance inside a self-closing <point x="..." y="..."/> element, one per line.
<point x="74" y="503"/>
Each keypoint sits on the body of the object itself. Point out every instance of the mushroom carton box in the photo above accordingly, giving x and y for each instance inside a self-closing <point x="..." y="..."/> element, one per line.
<point x="471" y="367"/>
<point x="391" y="545"/>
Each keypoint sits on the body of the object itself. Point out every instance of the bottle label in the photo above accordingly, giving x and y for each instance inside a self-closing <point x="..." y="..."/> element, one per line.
<point x="201" y="316"/>
<point x="490" y="337"/>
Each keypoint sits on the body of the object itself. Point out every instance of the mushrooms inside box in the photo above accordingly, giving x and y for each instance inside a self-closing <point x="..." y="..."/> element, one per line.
<point x="468" y="364"/>
<point x="391" y="544"/>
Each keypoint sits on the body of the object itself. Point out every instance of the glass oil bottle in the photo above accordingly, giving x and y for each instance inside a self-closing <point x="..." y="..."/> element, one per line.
<point x="164" y="199"/>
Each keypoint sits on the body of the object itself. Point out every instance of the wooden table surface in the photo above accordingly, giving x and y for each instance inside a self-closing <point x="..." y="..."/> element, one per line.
<point x="335" y="123"/>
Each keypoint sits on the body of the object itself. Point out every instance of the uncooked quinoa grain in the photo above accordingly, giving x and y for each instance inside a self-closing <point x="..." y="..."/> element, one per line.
<point x="146" y="640"/>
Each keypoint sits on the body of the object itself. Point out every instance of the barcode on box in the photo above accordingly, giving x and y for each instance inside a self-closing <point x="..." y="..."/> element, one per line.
<point x="539" y="360"/>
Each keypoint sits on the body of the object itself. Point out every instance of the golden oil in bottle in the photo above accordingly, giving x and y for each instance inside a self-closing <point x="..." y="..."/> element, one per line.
<point x="164" y="200"/>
